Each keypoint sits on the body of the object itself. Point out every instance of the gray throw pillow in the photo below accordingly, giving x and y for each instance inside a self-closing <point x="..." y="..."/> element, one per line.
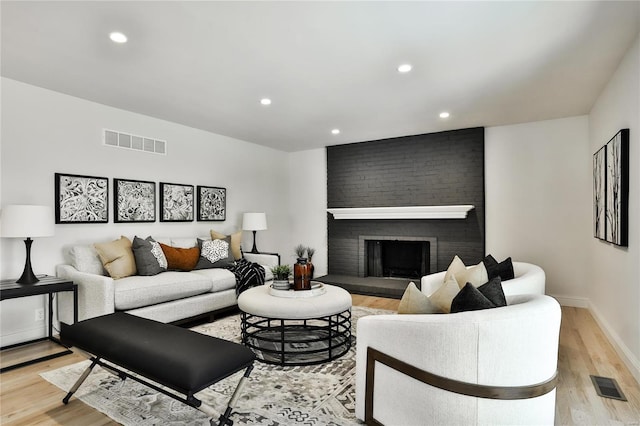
<point x="150" y="259"/>
<point x="215" y="253"/>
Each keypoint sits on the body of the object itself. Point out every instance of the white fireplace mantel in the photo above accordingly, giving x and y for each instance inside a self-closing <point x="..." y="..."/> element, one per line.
<point x="410" y="212"/>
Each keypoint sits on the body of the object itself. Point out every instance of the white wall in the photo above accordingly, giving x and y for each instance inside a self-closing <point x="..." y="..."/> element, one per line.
<point x="308" y="206"/>
<point x="538" y="200"/>
<point x="614" y="287"/>
<point x="45" y="132"/>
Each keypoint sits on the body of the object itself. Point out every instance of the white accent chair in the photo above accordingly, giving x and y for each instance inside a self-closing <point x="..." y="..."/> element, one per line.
<point x="529" y="279"/>
<point x="515" y="346"/>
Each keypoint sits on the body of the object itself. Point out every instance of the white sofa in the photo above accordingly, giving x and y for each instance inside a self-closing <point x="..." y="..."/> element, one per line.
<point x="515" y="345"/>
<point x="166" y="297"/>
<point x="529" y="279"/>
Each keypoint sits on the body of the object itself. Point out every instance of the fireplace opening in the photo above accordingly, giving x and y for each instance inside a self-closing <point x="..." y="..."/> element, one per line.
<point x="397" y="259"/>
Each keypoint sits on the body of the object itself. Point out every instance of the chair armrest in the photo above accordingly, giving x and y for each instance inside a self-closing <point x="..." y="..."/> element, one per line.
<point x="95" y="295"/>
<point x="267" y="260"/>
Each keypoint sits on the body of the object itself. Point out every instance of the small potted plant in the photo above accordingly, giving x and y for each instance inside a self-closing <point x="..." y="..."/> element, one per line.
<point x="281" y="274"/>
<point x="310" y="252"/>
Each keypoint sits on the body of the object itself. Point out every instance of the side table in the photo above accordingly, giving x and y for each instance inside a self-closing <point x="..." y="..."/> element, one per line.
<point x="9" y="289"/>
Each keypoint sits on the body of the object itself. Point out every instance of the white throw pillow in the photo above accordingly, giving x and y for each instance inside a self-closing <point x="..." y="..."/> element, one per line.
<point x="456" y="267"/>
<point x="85" y="259"/>
<point x="416" y="302"/>
<point x="443" y="296"/>
<point x="476" y="275"/>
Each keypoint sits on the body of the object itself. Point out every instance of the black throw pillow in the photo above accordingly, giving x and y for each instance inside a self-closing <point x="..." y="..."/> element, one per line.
<point x="149" y="257"/>
<point x="492" y="290"/>
<point x="215" y="254"/>
<point x="470" y="299"/>
<point x="503" y="269"/>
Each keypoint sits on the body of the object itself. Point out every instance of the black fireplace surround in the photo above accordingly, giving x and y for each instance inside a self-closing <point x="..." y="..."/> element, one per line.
<point x="445" y="168"/>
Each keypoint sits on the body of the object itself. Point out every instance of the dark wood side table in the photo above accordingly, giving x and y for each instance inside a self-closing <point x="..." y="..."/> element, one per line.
<point x="9" y="289"/>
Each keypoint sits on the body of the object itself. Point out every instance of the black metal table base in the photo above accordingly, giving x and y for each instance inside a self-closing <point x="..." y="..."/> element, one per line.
<point x="291" y="342"/>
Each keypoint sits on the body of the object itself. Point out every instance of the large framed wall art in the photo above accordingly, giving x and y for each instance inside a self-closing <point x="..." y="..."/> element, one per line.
<point x="611" y="190"/>
<point x="176" y="202"/>
<point x="81" y="199"/>
<point x="135" y="201"/>
<point x="212" y="203"/>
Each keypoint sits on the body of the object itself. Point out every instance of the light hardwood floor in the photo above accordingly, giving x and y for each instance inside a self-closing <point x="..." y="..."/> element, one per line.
<point x="27" y="399"/>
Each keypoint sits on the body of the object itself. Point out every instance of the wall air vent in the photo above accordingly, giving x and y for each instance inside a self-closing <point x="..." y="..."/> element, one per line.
<point x="134" y="142"/>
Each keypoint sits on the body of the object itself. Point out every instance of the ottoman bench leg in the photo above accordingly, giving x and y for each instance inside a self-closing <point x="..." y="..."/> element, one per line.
<point x="80" y="380"/>
<point x="224" y="419"/>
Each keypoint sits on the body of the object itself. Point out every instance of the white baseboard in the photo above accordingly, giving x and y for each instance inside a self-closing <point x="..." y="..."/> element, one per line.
<point x="629" y="359"/>
<point x="23" y="335"/>
<point x="574" y="302"/>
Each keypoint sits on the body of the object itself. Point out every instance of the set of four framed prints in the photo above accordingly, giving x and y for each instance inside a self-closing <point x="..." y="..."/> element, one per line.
<point x="85" y="199"/>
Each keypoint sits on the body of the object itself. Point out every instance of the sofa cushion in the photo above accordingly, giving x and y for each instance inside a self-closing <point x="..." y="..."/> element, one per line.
<point x="503" y="269"/>
<point x="117" y="257"/>
<point x="150" y="259"/>
<point x="416" y="302"/>
<point x="85" y="259"/>
<point x="221" y="279"/>
<point x="136" y="291"/>
<point x="236" y="239"/>
<point x="180" y="259"/>
<point x="215" y="254"/>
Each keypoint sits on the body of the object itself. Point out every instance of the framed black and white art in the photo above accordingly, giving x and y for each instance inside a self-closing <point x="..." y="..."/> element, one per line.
<point x="212" y="203"/>
<point x="617" y="184"/>
<point x="599" y="190"/>
<point x="176" y="202"/>
<point x="81" y="199"/>
<point x="611" y="190"/>
<point x="135" y="201"/>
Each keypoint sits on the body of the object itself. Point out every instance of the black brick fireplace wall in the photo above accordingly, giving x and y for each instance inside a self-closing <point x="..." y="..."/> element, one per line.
<point x="443" y="168"/>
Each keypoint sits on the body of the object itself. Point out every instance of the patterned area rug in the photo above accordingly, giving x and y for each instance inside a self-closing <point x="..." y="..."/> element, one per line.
<point x="311" y="395"/>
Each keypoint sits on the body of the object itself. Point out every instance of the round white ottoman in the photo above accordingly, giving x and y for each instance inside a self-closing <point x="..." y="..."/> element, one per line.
<point x="296" y="330"/>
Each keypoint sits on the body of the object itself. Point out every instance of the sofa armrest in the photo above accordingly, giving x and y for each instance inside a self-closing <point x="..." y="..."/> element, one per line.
<point x="95" y="295"/>
<point x="267" y="260"/>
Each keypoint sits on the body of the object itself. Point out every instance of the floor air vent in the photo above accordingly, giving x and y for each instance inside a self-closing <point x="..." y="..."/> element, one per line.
<point x="136" y="143"/>
<point x="607" y="388"/>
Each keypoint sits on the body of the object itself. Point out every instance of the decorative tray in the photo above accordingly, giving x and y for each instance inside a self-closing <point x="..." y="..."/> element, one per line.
<point x="317" y="288"/>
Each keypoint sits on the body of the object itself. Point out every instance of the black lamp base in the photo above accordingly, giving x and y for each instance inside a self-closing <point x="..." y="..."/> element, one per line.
<point x="28" y="277"/>
<point x="254" y="249"/>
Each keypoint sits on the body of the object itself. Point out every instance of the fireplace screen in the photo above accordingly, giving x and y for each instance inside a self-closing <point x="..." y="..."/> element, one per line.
<point x="397" y="259"/>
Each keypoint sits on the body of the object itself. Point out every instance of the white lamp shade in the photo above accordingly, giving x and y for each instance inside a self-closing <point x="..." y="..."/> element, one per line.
<point x="25" y="221"/>
<point x="254" y="221"/>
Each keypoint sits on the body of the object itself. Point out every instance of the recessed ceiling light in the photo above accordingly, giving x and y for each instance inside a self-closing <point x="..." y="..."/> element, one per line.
<point x="335" y="131"/>
<point x="118" y="37"/>
<point x="404" y="68"/>
<point x="444" y="114"/>
<point x="265" y="101"/>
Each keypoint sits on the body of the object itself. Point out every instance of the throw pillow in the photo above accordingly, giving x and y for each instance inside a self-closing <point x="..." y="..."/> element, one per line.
<point x="236" y="239"/>
<point x="493" y="291"/>
<point x="117" y="257"/>
<point x="476" y="275"/>
<point x="416" y="302"/>
<point x="215" y="254"/>
<point x="181" y="259"/>
<point x="150" y="259"/>
<point x="470" y="299"/>
<point x="503" y="269"/>
<point x="443" y="296"/>
<point x="456" y="267"/>
<point x="85" y="259"/>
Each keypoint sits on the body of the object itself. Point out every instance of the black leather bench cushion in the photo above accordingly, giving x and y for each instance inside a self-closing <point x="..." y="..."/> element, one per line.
<point x="178" y="358"/>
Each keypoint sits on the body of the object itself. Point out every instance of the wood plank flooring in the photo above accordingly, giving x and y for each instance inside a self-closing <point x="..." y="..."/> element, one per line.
<point x="27" y="399"/>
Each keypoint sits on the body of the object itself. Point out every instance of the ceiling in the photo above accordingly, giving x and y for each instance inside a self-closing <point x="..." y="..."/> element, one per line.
<point x="325" y="65"/>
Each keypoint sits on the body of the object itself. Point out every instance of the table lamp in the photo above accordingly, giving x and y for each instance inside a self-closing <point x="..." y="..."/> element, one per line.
<point x="254" y="222"/>
<point x="25" y="221"/>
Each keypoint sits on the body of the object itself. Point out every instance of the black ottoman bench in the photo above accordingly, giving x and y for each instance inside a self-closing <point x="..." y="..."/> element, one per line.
<point x="174" y="357"/>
